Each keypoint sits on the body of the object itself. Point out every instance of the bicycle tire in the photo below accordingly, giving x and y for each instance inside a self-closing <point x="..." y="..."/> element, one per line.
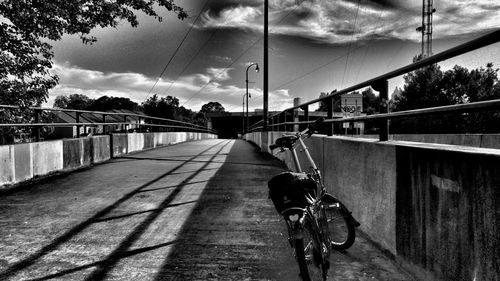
<point x="309" y="257"/>
<point x="341" y="230"/>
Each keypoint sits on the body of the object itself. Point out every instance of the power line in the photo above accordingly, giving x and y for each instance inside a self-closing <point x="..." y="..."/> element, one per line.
<point x="240" y="56"/>
<point x="176" y="50"/>
<point x="314" y="70"/>
<point x="198" y="52"/>
<point x="350" y="43"/>
<point x="222" y="71"/>
<point x="378" y="25"/>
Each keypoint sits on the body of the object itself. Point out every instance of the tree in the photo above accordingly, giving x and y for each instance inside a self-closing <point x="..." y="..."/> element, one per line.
<point x="422" y="89"/>
<point x="106" y="103"/>
<point x="74" y="101"/>
<point x="26" y="57"/>
<point x="212" y="106"/>
<point x="26" y="27"/>
<point x="371" y="102"/>
<point x="323" y="105"/>
<point x="430" y="87"/>
<point x="165" y="107"/>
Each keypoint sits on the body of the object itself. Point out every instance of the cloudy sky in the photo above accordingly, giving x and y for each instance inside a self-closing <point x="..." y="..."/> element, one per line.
<point x="315" y="46"/>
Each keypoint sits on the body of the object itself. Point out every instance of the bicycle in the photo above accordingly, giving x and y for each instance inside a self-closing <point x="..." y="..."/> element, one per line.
<point x="316" y="221"/>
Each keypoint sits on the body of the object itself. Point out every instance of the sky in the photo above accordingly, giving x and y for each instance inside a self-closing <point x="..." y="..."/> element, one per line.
<point x="314" y="46"/>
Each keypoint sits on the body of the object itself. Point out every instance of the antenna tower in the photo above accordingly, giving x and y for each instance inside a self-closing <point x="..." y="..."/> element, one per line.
<point x="426" y="27"/>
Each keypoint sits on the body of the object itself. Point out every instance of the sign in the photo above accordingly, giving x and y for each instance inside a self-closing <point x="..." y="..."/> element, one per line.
<point x="351" y="104"/>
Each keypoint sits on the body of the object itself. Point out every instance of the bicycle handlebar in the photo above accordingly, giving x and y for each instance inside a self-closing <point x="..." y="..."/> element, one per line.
<point x="309" y="131"/>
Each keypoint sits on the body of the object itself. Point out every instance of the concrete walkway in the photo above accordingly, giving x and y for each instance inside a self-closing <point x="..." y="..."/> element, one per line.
<point x="192" y="211"/>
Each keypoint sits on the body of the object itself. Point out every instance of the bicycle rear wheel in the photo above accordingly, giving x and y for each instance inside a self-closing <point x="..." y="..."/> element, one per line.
<point x="341" y="231"/>
<point x="309" y="256"/>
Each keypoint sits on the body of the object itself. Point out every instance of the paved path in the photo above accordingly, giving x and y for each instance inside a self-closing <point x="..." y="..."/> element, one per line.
<point x="192" y="211"/>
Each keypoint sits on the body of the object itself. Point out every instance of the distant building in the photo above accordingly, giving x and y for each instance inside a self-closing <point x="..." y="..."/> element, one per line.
<point x="71" y="131"/>
<point x="230" y="124"/>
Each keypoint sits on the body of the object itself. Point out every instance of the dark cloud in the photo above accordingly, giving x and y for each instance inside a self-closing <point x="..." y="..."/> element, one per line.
<point x="490" y="7"/>
<point x="382" y="4"/>
<point x="216" y="7"/>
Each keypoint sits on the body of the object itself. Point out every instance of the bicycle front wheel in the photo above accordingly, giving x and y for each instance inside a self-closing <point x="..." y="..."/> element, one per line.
<point x="341" y="231"/>
<point x="308" y="252"/>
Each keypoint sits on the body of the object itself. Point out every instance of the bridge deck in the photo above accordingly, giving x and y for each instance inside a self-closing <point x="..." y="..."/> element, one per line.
<point x="193" y="211"/>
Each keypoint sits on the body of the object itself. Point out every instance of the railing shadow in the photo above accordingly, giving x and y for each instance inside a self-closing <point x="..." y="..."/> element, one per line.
<point x="121" y="251"/>
<point x="233" y="233"/>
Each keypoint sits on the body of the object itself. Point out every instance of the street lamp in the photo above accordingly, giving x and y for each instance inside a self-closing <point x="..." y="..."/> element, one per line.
<point x="243" y="117"/>
<point x="247" y="94"/>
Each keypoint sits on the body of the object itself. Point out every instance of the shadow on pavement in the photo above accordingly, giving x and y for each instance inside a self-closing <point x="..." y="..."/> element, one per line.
<point x="234" y="232"/>
<point x="121" y="251"/>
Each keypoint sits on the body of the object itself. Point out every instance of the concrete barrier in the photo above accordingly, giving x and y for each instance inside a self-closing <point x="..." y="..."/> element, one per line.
<point x="22" y="162"/>
<point x="135" y="142"/>
<point x="362" y="174"/>
<point x="23" y="154"/>
<point x="435" y="207"/>
<point x="101" y="149"/>
<point x="119" y="145"/>
<point x="149" y="141"/>
<point x="7" y="164"/>
<point x="77" y="153"/>
<point x="47" y="157"/>
<point x="475" y="140"/>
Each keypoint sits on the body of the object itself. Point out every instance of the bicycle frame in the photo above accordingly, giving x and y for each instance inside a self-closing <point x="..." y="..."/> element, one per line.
<point x="315" y="171"/>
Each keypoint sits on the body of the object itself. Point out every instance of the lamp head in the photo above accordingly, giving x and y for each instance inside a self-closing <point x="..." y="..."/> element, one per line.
<point x="257" y="67"/>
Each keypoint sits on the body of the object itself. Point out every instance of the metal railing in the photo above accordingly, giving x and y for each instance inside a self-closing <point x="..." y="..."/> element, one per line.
<point x="380" y="84"/>
<point x="142" y="122"/>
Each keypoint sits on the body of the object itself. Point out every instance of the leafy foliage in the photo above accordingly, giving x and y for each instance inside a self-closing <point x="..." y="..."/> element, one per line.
<point x="168" y="108"/>
<point x="74" y="101"/>
<point x="106" y="103"/>
<point x="26" y="57"/>
<point x="212" y="106"/>
<point x="26" y="27"/>
<point x="431" y="87"/>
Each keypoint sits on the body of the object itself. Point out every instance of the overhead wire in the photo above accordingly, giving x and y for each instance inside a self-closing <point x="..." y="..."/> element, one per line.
<point x="321" y="66"/>
<point x="315" y="69"/>
<point x="175" y="52"/>
<point x="240" y="56"/>
<point x="198" y="52"/>
<point x="350" y="42"/>
<point x="378" y="25"/>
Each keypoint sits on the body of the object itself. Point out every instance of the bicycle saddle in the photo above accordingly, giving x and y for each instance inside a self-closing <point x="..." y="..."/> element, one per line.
<point x="285" y="141"/>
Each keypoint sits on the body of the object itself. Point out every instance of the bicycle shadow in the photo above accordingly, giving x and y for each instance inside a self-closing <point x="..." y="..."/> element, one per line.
<point x="234" y="232"/>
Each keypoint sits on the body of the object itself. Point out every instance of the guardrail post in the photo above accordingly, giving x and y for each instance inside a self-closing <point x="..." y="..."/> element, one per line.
<point x="282" y="128"/>
<point x="382" y="87"/>
<point x="78" y="126"/>
<point x="287" y="127"/>
<point x="329" y="115"/>
<point x="124" y="126"/>
<point x="295" y="113"/>
<point x="104" y="127"/>
<point x="306" y="115"/>
<point x="37" y="128"/>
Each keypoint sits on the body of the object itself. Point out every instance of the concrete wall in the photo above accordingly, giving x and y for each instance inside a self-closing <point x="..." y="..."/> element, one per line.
<point x="21" y="162"/>
<point x="435" y="207"/>
<point x="101" y="150"/>
<point x="475" y="140"/>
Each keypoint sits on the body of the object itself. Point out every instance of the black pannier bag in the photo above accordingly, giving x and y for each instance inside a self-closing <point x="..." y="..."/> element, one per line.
<point x="289" y="190"/>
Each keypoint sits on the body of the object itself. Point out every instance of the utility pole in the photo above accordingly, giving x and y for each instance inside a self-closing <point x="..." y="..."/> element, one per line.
<point x="426" y="27"/>
<point x="266" y="66"/>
